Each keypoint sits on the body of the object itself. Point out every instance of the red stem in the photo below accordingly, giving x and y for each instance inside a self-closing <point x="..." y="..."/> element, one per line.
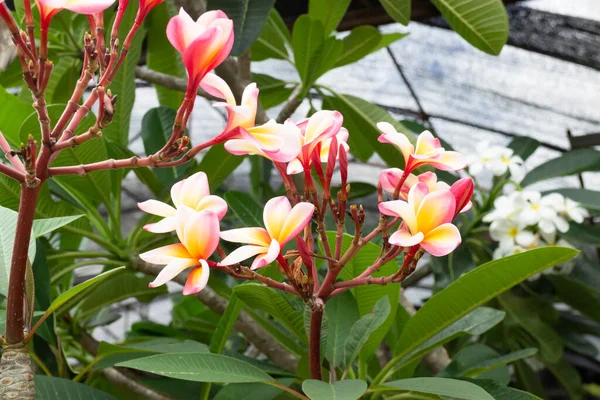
<point x="314" y="351"/>
<point x="14" y="305"/>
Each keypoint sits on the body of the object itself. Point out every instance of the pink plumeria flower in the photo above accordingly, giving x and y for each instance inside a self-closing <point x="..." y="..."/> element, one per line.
<point x="389" y="179"/>
<point x="428" y="150"/>
<point x="277" y="142"/>
<point x="342" y="139"/>
<point x="147" y="5"/>
<point x="426" y="220"/>
<point x="283" y="223"/>
<point x="49" y="8"/>
<point x="321" y="126"/>
<point x="204" y="44"/>
<point x="192" y="193"/>
<point x="199" y="236"/>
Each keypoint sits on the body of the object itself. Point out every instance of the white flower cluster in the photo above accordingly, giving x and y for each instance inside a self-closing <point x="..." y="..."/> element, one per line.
<point x="498" y="160"/>
<point x="525" y="220"/>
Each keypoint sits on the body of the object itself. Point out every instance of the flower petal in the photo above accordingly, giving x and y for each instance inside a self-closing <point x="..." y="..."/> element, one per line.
<point x="156" y="207"/>
<point x="202" y="234"/>
<point x="168" y="224"/>
<point x="213" y="203"/>
<point x="216" y="86"/>
<point x="390" y="135"/>
<point x="295" y="222"/>
<point x="405" y="239"/>
<point x="449" y="161"/>
<point x="243" y="253"/>
<point x="416" y="195"/>
<point x="442" y="240"/>
<point x="194" y="189"/>
<point x="275" y="213"/>
<point x="256" y="236"/>
<point x="88" y="7"/>
<point x="197" y="279"/>
<point x="400" y="208"/>
<point x="437" y="208"/>
<point x="166" y="254"/>
<point x="171" y="270"/>
<point x="266" y="258"/>
<point x="427" y="144"/>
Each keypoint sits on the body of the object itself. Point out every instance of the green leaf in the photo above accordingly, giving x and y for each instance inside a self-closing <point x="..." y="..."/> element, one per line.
<point x="123" y="84"/>
<point x="361" y="118"/>
<point x="350" y="389"/>
<point x="501" y="392"/>
<point x="328" y="54"/>
<point x="161" y="56"/>
<point x="527" y="317"/>
<point x="275" y="304"/>
<point x="389" y="38"/>
<point x="272" y="90"/>
<point x="249" y="17"/>
<point x="13" y="112"/>
<point x="342" y="314"/>
<point x="399" y="10"/>
<point x="9" y="220"/>
<point x="63" y="80"/>
<point x="589" y="199"/>
<point x="329" y="12"/>
<point x="47" y="225"/>
<point x="357" y="190"/>
<point x="119" y="287"/>
<point x="578" y="295"/>
<point x="475" y="323"/>
<point x="361" y="42"/>
<point x="273" y="40"/>
<point x="252" y="391"/>
<point x="482" y="284"/>
<point x="441" y="386"/>
<point x="199" y="367"/>
<point x="51" y="388"/>
<point x="245" y="208"/>
<point x="568" y="377"/>
<point x="226" y="324"/>
<point x="157" y="126"/>
<point x="570" y="163"/>
<point x="523" y="146"/>
<point x="308" y="37"/>
<point x="363" y="328"/>
<point x="483" y="23"/>
<point x="218" y="164"/>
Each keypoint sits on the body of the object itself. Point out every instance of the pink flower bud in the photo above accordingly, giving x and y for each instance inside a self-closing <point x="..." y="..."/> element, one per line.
<point x="462" y="190"/>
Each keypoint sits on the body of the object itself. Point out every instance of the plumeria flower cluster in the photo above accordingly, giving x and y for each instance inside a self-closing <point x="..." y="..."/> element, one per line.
<point x="524" y="220"/>
<point x="498" y="160"/>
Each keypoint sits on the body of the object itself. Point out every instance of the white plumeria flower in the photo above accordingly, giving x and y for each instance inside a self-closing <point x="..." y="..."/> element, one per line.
<point x="484" y="154"/>
<point x="506" y="207"/>
<point x="537" y="208"/>
<point x="568" y="208"/>
<point x="508" y="233"/>
<point x="508" y="162"/>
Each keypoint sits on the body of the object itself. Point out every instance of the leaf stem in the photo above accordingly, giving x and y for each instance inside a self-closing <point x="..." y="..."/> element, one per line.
<point x="287" y="389"/>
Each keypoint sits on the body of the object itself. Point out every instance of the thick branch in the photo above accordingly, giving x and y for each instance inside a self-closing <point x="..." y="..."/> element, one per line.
<point x="168" y="81"/>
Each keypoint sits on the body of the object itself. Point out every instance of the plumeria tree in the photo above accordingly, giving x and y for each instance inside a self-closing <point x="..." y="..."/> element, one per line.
<point x="309" y="246"/>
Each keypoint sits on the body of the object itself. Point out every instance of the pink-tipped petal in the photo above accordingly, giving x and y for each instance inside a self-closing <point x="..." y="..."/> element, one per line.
<point x="166" y="254"/>
<point x="88" y="7"/>
<point x="437" y="208"/>
<point x="449" y="161"/>
<point x="427" y="144"/>
<point x="168" y="224"/>
<point x="171" y="270"/>
<point x="243" y="253"/>
<point x="213" y="203"/>
<point x="442" y="240"/>
<point x="197" y="279"/>
<point x="182" y="30"/>
<point x="405" y="239"/>
<point x="390" y="135"/>
<point x="402" y="209"/>
<point x="194" y="189"/>
<point x="156" y="207"/>
<point x="240" y="147"/>
<point x="462" y="190"/>
<point x="275" y="213"/>
<point x="216" y="86"/>
<point x="202" y="234"/>
<point x="210" y="16"/>
<point x="295" y="222"/>
<point x="266" y="258"/>
<point x="294" y="167"/>
<point x="256" y="236"/>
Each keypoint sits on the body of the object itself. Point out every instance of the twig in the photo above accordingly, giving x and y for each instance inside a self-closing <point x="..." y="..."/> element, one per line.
<point x="168" y="81"/>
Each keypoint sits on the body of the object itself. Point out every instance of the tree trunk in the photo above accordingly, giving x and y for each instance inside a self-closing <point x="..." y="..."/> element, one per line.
<point x="16" y="377"/>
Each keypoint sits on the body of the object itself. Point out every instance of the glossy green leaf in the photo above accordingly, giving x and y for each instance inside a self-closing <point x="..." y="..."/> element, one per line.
<point x="570" y="163"/>
<point x="272" y="90"/>
<point x="308" y="37"/>
<point x="350" y="389"/>
<point x="399" y="10"/>
<point x="342" y="314"/>
<point x="502" y="392"/>
<point x="589" y="199"/>
<point x="245" y="208"/>
<point x="523" y="146"/>
<point x="483" y="284"/>
<point x="251" y="391"/>
<point x="13" y="112"/>
<point x="363" y="328"/>
<point x="226" y="324"/>
<point x="329" y="12"/>
<point x="358" y="44"/>
<point x="274" y="303"/>
<point x="47" y="225"/>
<point x="578" y="295"/>
<point x="483" y="23"/>
<point x="199" y="367"/>
<point x="328" y="54"/>
<point x="453" y="388"/>
<point x="361" y="118"/>
<point x="218" y="164"/>
<point x="476" y="322"/>
<point x="161" y="56"/>
<point x="389" y="38"/>
<point x="522" y="311"/>
<point x="7" y="240"/>
<point x="51" y="388"/>
<point x="249" y="17"/>
<point x="157" y="126"/>
<point x="63" y="80"/>
<point x="273" y="40"/>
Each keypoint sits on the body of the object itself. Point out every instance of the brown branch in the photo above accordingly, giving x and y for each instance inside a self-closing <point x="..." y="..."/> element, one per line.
<point x="256" y="335"/>
<point x="293" y="102"/>
<point x="168" y="81"/>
